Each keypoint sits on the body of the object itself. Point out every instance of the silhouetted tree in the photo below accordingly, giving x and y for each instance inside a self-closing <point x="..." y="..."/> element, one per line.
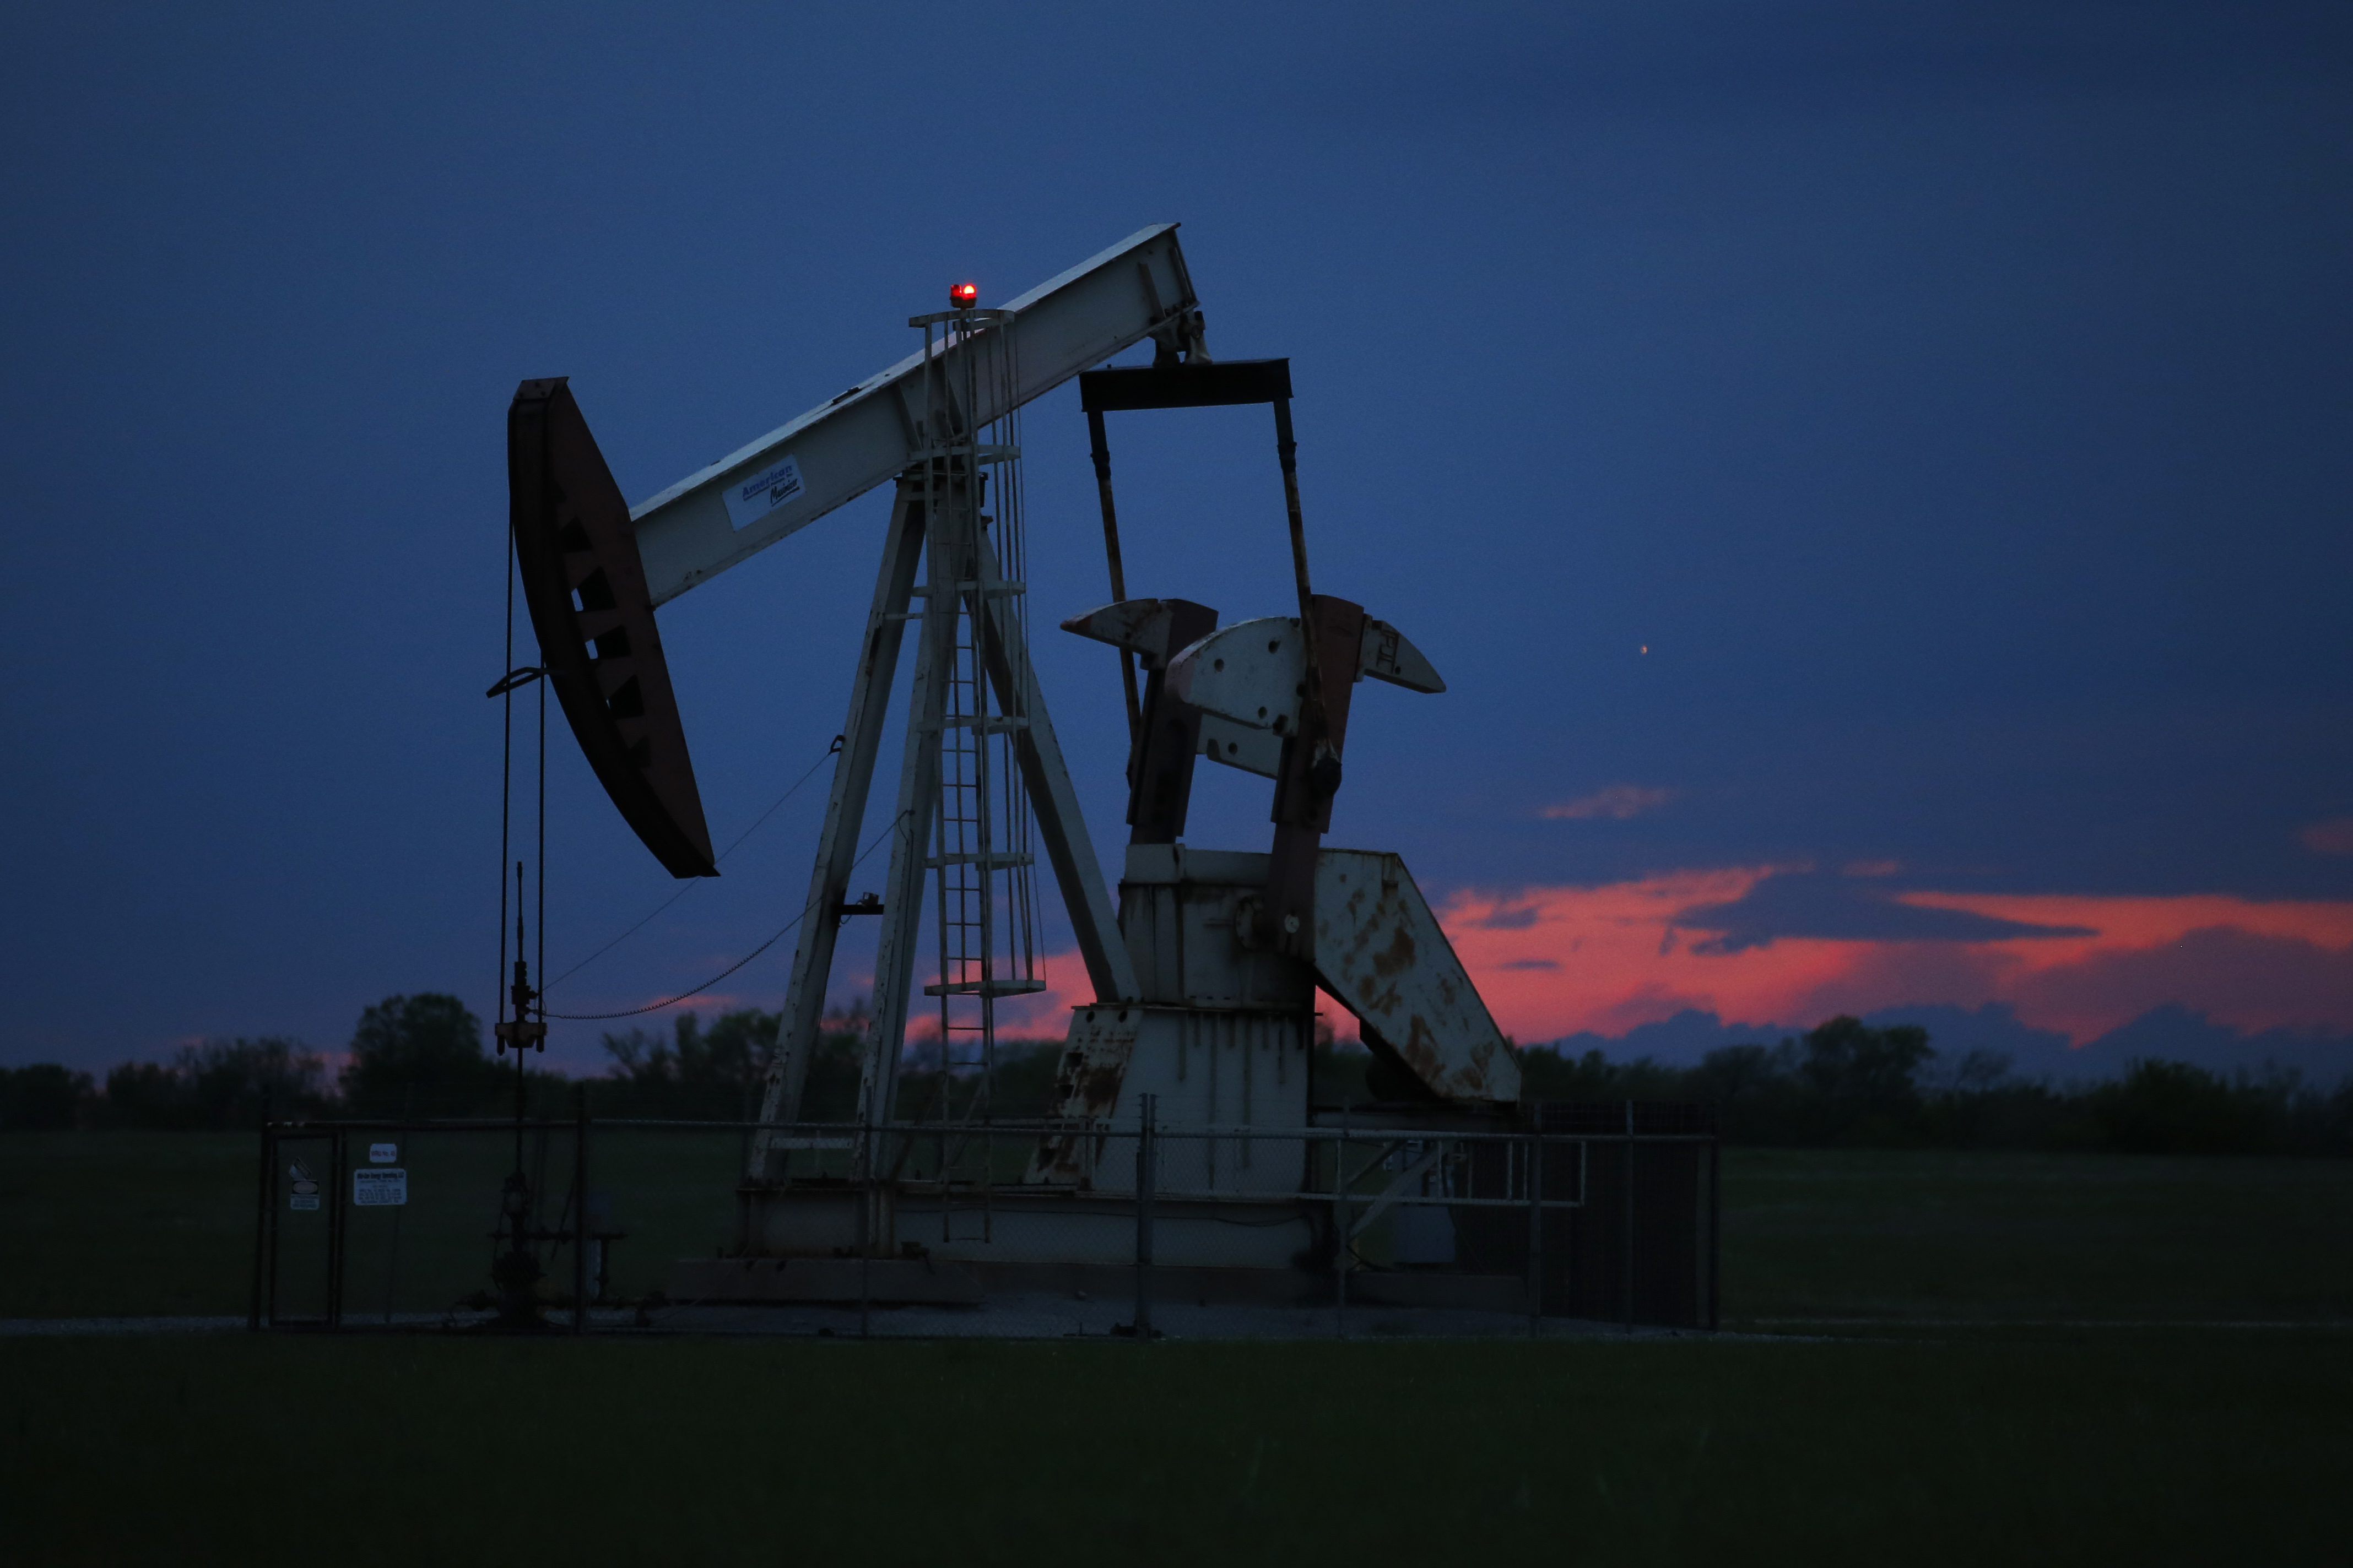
<point x="43" y="1097"/>
<point x="220" y="1083"/>
<point x="2173" y="1108"/>
<point x="1846" y="1082"/>
<point x="716" y="1073"/>
<point x="423" y="1055"/>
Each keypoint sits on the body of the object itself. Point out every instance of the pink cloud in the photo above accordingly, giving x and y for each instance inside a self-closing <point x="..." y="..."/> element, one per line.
<point x="2243" y="978"/>
<point x="2334" y="837"/>
<point x="1617" y="802"/>
<point x="1616" y="961"/>
<point x="1553" y="961"/>
<point x="1037" y="1015"/>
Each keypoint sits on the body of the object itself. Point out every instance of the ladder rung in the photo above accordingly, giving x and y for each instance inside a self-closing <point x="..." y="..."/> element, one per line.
<point x="985" y="859"/>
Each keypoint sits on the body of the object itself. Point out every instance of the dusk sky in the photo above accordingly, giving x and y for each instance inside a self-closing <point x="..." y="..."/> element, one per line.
<point x="1874" y="477"/>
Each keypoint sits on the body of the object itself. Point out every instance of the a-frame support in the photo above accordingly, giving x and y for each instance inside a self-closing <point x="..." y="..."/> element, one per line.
<point x="845" y="819"/>
<point x="1053" y="800"/>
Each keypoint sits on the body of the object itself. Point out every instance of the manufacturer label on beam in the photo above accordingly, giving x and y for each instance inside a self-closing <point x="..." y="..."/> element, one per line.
<point x="751" y="498"/>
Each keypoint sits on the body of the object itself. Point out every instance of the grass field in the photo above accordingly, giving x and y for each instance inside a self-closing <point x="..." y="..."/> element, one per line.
<point x="2078" y="1238"/>
<point x="2117" y="1447"/>
<point x="1979" y="1395"/>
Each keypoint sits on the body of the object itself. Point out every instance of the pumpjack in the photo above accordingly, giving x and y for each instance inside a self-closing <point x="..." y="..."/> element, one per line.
<point x="1204" y="969"/>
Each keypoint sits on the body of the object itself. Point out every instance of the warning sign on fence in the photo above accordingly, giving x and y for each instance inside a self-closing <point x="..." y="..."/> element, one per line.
<point x="378" y="1188"/>
<point x="305" y="1193"/>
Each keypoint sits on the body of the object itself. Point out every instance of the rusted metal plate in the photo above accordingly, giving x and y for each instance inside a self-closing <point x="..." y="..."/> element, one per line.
<point x="1379" y="950"/>
<point x="1086" y="1087"/>
<point x="586" y="590"/>
<point x="1149" y="628"/>
<point x="1386" y="654"/>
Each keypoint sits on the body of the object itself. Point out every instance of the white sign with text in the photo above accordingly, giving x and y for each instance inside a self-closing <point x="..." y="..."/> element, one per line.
<point x="380" y="1188"/>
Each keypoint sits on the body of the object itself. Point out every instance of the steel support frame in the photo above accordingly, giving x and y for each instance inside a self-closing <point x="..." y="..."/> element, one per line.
<point x="1053" y="799"/>
<point x="1061" y="827"/>
<point x="845" y="818"/>
<point x="910" y="831"/>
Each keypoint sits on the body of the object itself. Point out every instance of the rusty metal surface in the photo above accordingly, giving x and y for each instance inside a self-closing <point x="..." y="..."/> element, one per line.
<point x="1379" y="950"/>
<point x="1183" y="911"/>
<point x="1146" y="628"/>
<point x="1167" y="739"/>
<point x="1386" y="654"/>
<point x="586" y="590"/>
<point x="1086" y="1086"/>
<point x="1311" y="775"/>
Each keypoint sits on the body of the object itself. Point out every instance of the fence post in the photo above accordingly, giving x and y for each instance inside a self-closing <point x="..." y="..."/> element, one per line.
<point x="1536" y="1219"/>
<point x="269" y="1303"/>
<point x="580" y="1211"/>
<point x="1626" y="1246"/>
<point x="392" y="1263"/>
<point x="338" y="1218"/>
<point x="1714" y="1227"/>
<point x="1145" y="1152"/>
<point x="866" y="1217"/>
<point x="260" y="1218"/>
<point x="1340" y="1218"/>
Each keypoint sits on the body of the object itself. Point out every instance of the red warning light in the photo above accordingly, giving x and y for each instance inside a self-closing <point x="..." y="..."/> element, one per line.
<point x="964" y="295"/>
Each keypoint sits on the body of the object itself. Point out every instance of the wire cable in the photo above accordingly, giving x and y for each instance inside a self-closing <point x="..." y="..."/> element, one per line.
<point x="685" y="995"/>
<point x="698" y="881"/>
<point x="506" y="778"/>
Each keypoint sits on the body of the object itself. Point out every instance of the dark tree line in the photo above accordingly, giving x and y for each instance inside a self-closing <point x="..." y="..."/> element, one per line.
<point x="1844" y="1083"/>
<point x="410" y="1056"/>
<point x="720" y="1072"/>
<point x="424" y="1054"/>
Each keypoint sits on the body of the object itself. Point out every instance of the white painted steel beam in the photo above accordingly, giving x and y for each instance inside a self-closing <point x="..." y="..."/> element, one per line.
<point x="794" y="474"/>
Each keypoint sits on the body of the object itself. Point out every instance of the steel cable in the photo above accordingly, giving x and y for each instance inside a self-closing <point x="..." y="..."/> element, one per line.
<point x="672" y="1001"/>
<point x="696" y="882"/>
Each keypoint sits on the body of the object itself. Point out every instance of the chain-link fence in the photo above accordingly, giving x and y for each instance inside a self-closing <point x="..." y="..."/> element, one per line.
<point x="1562" y="1219"/>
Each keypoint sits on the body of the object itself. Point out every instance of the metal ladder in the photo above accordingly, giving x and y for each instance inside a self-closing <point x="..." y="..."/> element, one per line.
<point x="982" y="860"/>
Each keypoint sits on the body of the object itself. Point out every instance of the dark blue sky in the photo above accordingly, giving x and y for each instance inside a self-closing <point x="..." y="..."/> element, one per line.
<point x="1954" y="399"/>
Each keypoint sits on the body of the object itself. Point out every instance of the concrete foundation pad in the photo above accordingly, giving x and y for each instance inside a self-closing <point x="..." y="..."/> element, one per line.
<point x="940" y="1282"/>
